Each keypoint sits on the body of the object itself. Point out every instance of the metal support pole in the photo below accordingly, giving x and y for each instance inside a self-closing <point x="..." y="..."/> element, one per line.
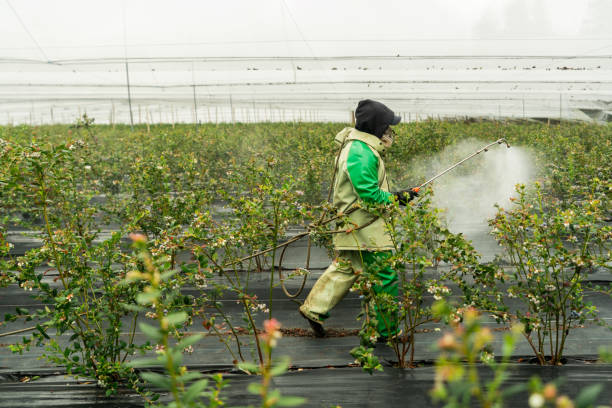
<point x="113" y="113"/>
<point x="148" y="119"/>
<point x="127" y="79"/>
<point x="195" y="107"/>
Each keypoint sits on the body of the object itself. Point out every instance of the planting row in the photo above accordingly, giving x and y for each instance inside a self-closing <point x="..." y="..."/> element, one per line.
<point x="161" y="186"/>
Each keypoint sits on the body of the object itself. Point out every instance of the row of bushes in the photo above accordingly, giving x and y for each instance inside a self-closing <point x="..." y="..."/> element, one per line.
<point x="165" y="184"/>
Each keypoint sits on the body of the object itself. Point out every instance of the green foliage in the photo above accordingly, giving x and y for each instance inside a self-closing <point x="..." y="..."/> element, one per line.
<point x="85" y="122"/>
<point x="552" y="249"/>
<point x="605" y="354"/>
<point x="263" y="206"/>
<point x="422" y="244"/>
<point x="228" y="192"/>
<point x="84" y="293"/>
<point x="458" y="382"/>
<point x="188" y="388"/>
<point x="268" y="369"/>
<point x="365" y="357"/>
<point x="568" y="157"/>
<point x="546" y="395"/>
<point x="6" y="263"/>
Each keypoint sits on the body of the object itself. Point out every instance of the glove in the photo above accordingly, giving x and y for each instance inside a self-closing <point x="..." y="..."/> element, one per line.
<point x="405" y="196"/>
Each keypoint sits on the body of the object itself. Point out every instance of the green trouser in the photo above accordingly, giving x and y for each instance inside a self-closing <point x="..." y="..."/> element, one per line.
<point x="335" y="283"/>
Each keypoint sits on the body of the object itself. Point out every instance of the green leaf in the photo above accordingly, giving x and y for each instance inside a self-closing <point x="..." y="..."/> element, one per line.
<point x="588" y="396"/>
<point x="605" y="354"/>
<point x="42" y="331"/>
<point x="152" y="332"/>
<point x="177" y="356"/>
<point x="157" y="380"/>
<point x="280" y="367"/>
<point x="255" y="388"/>
<point x="166" y="275"/>
<point x="9" y="317"/>
<point x="147" y="298"/>
<point x="195" y="390"/>
<point x="290" y="401"/>
<point x="175" y="319"/>
<point x="508" y="345"/>
<point x="190" y="376"/>
<point x="132" y="308"/>
<point x="441" y="309"/>
<point x="248" y="367"/>
<point x="188" y="341"/>
<point x="22" y="310"/>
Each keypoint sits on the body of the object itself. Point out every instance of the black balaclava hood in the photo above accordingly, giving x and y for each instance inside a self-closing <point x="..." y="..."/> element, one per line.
<point x="374" y="118"/>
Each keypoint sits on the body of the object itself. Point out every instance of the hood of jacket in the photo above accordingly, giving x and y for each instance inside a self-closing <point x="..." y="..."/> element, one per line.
<point x="349" y="133"/>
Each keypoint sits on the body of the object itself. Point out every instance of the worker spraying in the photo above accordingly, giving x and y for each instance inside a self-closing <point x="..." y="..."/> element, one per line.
<point x="359" y="176"/>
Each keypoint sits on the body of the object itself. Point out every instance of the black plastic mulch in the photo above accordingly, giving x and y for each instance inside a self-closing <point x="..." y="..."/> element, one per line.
<point x="323" y="387"/>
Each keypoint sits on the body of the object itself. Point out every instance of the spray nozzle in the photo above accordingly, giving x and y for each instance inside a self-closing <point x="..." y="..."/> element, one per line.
<point x="500" y="141"/>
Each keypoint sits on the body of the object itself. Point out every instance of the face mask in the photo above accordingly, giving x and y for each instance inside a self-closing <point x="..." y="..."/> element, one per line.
<point x="387" y="137"/>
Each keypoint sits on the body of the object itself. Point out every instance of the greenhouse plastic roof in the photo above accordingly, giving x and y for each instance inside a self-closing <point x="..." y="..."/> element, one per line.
<point x="290" y="60"/>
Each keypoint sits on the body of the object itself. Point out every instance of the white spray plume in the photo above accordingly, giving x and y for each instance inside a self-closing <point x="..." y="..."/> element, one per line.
<point x="469" y="192"/>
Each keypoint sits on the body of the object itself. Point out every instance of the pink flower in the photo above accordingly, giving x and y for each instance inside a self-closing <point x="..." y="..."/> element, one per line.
<point x="271" y="332"/>
<point x="271" y="325"/>
<point x="137" y="237"/>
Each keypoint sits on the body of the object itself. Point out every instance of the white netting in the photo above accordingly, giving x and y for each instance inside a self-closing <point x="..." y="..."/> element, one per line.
<point x="276" y="61"/>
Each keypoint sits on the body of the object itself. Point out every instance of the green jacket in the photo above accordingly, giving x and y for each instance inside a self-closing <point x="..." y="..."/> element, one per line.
<point x="361" y="176"/>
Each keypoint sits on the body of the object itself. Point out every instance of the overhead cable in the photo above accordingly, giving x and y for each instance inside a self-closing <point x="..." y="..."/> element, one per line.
<point x="27" y="31"/>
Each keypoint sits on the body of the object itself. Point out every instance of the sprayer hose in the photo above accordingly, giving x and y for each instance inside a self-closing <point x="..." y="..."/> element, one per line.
<point x="306" y="269"/>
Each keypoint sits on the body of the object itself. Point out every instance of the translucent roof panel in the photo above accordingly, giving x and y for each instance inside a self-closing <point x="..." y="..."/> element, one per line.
<point x="292" y="60"/>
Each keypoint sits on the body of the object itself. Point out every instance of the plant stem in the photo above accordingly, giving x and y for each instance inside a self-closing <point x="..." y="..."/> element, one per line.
<point x="538" y="355"/>
<point x="132" y="334"/>
<point x="169" y="361"/>
<point x="43" y="195"/>
<point x="248" y="312"/>
<point x="273" y="269"/>
<point x="233" y="330"/>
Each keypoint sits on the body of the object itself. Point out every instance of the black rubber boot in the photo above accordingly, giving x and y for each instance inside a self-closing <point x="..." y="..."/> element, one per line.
<point x="316" y="327"/>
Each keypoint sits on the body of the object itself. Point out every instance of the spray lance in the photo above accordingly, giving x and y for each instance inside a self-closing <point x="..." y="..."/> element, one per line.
<point x="484" y="149"/>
